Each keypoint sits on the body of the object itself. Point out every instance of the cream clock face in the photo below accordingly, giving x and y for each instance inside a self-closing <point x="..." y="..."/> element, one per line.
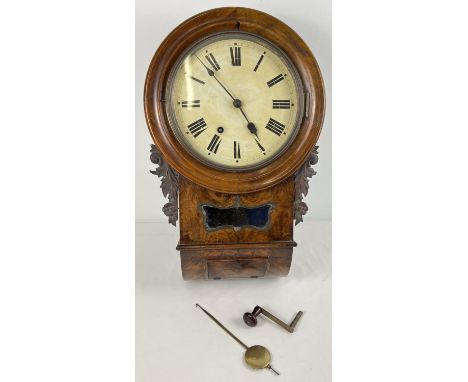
<point x="234" y="101"/>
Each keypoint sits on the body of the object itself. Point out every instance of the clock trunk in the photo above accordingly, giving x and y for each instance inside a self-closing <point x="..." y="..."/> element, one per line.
<point x="227" y="235"/>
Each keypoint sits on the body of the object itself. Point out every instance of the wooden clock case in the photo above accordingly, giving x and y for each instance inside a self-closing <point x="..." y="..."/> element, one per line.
<point x="231" y="251"/>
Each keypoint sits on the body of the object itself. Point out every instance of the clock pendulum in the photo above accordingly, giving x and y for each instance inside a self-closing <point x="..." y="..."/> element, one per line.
<point x="234" y="102"/>
<point x="257" y="356"/>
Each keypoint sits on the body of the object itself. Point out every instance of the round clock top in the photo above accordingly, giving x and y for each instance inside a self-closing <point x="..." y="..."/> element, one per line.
<point x="234" y="100"/>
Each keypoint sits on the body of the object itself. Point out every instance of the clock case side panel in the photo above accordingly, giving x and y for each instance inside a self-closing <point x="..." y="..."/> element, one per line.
<point x="267" y="27"/>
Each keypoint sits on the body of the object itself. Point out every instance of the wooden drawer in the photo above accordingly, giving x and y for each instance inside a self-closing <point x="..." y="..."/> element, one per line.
<point x="234" y="268"/>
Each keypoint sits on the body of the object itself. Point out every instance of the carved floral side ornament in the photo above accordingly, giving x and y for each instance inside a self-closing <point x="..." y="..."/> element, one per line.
<point x="302" y="185"/>
<point x="169" y="185"/>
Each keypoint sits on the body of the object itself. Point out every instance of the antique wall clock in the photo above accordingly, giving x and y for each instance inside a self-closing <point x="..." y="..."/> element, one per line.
<point x="234" y="101"/>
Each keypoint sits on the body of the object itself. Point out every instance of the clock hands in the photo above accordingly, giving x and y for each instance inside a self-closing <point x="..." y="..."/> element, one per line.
<point x="211" y="73"/>
<point x="250" y="125"/>
<point x="236" y="102"/>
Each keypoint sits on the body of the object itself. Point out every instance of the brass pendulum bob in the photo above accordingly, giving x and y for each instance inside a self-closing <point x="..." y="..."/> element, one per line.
<point x="257" y="356"/>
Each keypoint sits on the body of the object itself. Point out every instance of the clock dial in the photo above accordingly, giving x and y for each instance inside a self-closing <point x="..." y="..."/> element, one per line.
<point x="234" y="101"/>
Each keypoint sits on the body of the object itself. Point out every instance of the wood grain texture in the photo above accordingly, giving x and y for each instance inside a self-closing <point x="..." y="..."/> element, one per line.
<point x="192" y="227"/>
<point x="248" y="251"/>
<point x="220" y="263"/>
<point x="227" y="253"/>
<point x="242" y="20"/>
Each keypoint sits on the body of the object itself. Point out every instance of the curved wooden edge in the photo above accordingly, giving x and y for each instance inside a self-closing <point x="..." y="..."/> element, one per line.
<point x="240" y="20"/>
<point x="224" y="264"/>
<point x="215" y="246"/>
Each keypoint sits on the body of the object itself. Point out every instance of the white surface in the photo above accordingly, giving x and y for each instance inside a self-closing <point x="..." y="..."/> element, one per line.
<point x="310" y="19"/>
<point x="177" y="342"/>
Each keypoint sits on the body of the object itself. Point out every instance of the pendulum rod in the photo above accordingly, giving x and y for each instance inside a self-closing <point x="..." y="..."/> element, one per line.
<point x="224" y="328"/>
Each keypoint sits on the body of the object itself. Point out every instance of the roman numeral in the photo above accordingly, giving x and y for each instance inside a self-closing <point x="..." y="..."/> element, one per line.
<point x="197" y="127"/>
<point x="259" y="62"/>
<point x="281" y="104"/>
<point x="213" y="62"/>
<point x="237" y="154"/>
<point x="236" y="56"/>
<point x="275" y="80"/>
<point x="195" y="103"/>
<point x="275" y="127"/>
<point x="197" y="80"/>
<point x="214" y="144"/>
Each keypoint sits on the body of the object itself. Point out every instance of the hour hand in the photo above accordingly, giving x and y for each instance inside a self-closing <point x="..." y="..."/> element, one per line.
<point x="250" y="125"/>
<point x="253" y="129"/>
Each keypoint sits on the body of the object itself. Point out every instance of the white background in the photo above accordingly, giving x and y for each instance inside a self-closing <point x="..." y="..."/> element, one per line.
<point x="310" y="19"/>
<point x="399" y="191"/>
<point x="177" y="342"/>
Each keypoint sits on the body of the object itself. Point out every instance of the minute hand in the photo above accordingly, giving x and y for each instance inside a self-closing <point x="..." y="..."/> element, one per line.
<point x="211" y="73"/>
